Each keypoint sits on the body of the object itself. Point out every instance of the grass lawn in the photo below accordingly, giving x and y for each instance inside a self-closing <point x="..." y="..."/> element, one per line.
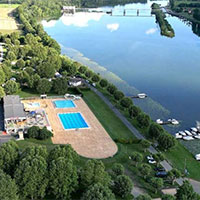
<point x="9" y="5"/>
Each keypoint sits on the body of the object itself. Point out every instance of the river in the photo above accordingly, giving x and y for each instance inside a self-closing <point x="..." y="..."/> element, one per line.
<point x="131" y="53"/>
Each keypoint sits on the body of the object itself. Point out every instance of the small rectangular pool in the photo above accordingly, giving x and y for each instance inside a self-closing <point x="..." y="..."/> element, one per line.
<point x="64" y="104"/>
<point x="72" y="120"/>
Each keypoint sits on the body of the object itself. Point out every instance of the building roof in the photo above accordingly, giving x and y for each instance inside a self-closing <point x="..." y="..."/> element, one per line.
<point x="13" y="108"/>
<point x="75" y="80"/>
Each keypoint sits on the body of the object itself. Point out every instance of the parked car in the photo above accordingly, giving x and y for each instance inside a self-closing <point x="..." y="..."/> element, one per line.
<point x="160" y="169"/>
<point x="161" y="174"/>
<point x="151" y="159"/>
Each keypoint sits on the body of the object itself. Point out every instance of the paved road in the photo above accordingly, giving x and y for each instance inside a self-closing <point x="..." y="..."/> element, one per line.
<point x="138" y="135"/>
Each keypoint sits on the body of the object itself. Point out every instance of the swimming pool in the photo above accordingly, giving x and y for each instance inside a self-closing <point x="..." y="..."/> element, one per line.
<point x="72" y="120"/>
<point x="64" y="104"/>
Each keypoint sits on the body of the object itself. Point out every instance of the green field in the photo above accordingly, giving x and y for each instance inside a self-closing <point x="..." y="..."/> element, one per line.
<point x="9" y="5"/>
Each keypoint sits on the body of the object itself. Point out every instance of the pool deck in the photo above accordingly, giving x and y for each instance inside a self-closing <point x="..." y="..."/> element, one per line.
<point x="92" y="142"/>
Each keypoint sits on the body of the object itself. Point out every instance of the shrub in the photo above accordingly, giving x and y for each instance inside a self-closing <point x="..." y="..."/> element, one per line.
<point x="118" y="95"/>
<point x="143" y="120"/>
<point x="134" y="111"/>
<point x="126" y="102"/>
<point x="95" y="78"/>
<point x="103" y="83"/>
<point x="111" y="89"/>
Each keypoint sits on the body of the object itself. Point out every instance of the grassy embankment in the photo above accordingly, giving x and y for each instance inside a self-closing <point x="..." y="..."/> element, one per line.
<point x="178" y="156"/>
<point x="165" y="27"/>
<point x="116" y="129"/>
<point x="7" y="22"/>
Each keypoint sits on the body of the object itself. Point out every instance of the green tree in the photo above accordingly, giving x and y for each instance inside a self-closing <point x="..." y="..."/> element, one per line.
<point x="88" y="73"/>
<point x="126" y="102"/>
<point x="82" y="69"/>
<point x="111" y="88"/>
<point x="118" y="95"/>
<point x="11" y="56"/>
<point x="155" y="130"/>
<point x="63" y="178"/>
<point x="98" y="192"/>
<point x="44" y="86"/>
<point x="44" y="134"/>
<point x="122" y="186"/>
<point x="173" y="175"/>
<point x="136" y="157"/>
<point x="103" y="83"/>
<point x="158" y="157"/>
<point x="157" y="183"/>
<point x="8" y="187"/>
<point x="20" y="63"/>
<point x="117" y="169"/>
<point x="31" y="176"/>
<point x="11" y="87"/>
<point x="168" y="197"/>
<point x="2" y="76"/>
<point x="186" y="192"/>
<point x="33" y="151"/>
<point x="145" y="144"/>
<point x="2" y="92"/>
<point x="145" y="170"/>
<point x="143" y="197"/>
<point x="95" y="78"/>
<point x="46" y="70"/>
<point x="9" y="155"/>
<point x="65" y="151"/>
<point x="143" y="120"/>
<point x="7" y="70"/>
<point x="60" y="85"/>
<point x="94" y="172"/>
<point x="134" y="111"/>
<point x="166" y="141"/>
<point x="33" y="132"/>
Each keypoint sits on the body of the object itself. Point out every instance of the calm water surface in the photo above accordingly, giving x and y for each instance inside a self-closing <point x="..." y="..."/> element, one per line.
<point x="167" y="69"/>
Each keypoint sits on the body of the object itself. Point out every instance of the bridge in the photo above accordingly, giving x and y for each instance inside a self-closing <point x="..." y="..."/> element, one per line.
<point x="128" y="12"/>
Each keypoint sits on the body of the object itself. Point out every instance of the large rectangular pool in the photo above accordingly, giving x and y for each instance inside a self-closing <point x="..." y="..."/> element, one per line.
<point x="72" y="120"/>
<point x="64" y="104"/>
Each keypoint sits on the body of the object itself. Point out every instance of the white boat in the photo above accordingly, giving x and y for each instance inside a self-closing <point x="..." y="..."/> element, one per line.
<point x="194" y="129"/>
<point x="197" y="156"/>
<point x="197" y="136"/>
<point x="193" y="133"/>
<point x="178" y="136"/>
<point x="188" y="133"/>
<point x="159" y="121"/>
<point x="182" y="133"/>
<point x="174" y="122"/>
<point x="188" y="138"/>
<point x="142" y="95"/>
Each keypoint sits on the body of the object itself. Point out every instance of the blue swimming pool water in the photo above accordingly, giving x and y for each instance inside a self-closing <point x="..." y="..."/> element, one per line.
<point x="72" y="120"/>
<point x="35" y="105"/>
<point x="64" y="104"/>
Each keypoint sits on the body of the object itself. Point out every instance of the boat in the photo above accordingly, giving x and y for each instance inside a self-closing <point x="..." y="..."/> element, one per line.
<point x="188" y="138"/>
<point x="197" y="156"/>
<point x="193" y="133"/>
<point x="159" y="121"/>
<point x="182" y="133"/>
<point x="188" y="133"/>
<point x="197" y="136"/>
<point x="194" y="129"/>
<point x="142" y="95"/>
<point x="178" y="136"/>
<point x="173" y="121"/>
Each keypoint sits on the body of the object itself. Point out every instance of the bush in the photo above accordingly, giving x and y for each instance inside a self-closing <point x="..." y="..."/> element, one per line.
<point x="103" y="83"/>
<point x="126" y="102"/>
<point x="143" y="120"/>
<point x="118" y="95"/>
<point x="134" y="111"/>
<point x="95" y="78"/>
<point x="111" y="89"/>
<point x="40" y="134"/>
